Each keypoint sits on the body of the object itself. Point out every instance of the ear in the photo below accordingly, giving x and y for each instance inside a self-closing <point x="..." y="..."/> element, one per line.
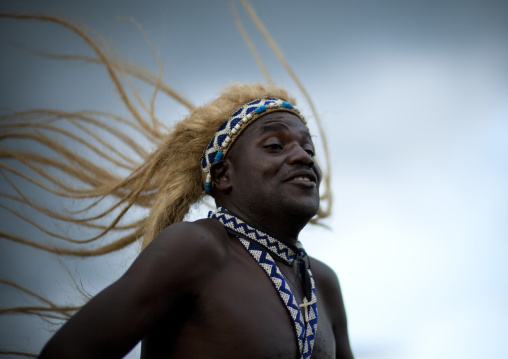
<point x="221" y="176"/>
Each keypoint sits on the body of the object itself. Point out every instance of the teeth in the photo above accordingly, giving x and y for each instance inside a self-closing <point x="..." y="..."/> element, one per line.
<point x="302" y="178"/>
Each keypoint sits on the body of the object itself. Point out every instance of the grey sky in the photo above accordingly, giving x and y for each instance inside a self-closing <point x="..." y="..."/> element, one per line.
<point x="414" y="99"/>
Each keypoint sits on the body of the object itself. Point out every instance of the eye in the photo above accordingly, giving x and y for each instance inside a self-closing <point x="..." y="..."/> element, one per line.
<point x="310" y="152"/>
<point x="274" y="147"/>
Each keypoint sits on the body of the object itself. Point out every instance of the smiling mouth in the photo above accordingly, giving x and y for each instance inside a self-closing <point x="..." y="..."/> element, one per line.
<point x="302" y="178"/>
<point x="306" y="181"/>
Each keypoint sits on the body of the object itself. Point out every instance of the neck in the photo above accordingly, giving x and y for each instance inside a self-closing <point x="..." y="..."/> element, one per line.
<point x="284" y="226"/>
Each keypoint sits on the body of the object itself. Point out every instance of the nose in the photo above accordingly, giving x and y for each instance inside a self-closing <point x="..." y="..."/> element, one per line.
<point x="299" y="155"/>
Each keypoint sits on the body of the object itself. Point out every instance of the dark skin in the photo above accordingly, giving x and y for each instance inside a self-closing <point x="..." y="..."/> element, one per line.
<point x="195" y="292"/>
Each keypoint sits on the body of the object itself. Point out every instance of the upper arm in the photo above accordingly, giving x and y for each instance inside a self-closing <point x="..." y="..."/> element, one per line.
<point x="330" y="287"/>
<point x="174" y="265"/>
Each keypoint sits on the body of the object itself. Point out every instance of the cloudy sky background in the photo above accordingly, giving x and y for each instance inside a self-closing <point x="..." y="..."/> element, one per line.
<point x="414" y="98"/>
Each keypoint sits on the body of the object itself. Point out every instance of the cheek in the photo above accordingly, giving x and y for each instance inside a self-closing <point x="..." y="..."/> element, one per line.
<point x="264" y="167"/>
<point x="318" y="172"/>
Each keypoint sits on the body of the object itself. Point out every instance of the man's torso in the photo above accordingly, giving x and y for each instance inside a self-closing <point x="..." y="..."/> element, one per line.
<point x="237" y="313"/>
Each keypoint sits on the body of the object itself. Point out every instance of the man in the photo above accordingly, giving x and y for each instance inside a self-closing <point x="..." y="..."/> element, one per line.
<point x="237" y="284"/>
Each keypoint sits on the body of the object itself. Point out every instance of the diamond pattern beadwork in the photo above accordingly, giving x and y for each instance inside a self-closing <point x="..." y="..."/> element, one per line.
<point x="256" y="241"/>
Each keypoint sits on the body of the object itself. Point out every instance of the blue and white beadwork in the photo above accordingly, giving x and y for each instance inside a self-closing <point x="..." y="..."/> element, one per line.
<point x="305" y="330"/>
<point x="232" y="127"/>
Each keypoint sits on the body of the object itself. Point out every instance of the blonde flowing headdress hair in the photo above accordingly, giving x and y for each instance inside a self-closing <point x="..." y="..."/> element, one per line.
<point x="164" y="184"/>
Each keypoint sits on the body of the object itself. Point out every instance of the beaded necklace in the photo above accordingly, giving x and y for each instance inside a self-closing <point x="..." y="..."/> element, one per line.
<point x="261" y="246"/>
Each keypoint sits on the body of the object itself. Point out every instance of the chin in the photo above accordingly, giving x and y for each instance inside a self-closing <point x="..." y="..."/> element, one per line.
<point x="304" y="209"/>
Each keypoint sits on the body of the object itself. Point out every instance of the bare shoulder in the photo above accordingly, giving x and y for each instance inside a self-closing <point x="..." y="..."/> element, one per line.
<point x="203" y="237"/>
<point x="325" y="276"/>
<point x="193" y="248"/>
<point x="328" y="285"/>
<point x="330" y="295"/>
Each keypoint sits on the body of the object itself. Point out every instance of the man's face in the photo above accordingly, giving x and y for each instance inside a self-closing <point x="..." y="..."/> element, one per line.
<point x="273" y="169"/>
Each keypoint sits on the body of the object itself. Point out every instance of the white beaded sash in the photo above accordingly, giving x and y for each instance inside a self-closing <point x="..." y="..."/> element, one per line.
<point x="261" y="246"/>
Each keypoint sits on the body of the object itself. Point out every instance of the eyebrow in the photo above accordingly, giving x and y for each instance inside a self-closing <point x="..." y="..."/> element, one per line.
<point x="280" y="128"/>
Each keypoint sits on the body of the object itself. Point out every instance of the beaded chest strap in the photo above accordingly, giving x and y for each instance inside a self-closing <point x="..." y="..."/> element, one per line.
<point x="232" y="127"/>
<point x="261" y="246"/>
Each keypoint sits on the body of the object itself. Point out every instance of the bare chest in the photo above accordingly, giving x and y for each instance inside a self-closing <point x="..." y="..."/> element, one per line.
<point x="239" y="313"/>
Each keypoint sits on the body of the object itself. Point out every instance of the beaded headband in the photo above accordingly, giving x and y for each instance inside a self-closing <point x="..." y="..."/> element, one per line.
<point x="229" y="131"/>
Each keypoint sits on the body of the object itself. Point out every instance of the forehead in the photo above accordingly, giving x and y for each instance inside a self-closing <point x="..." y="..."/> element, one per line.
<point x="276" y="121"/>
